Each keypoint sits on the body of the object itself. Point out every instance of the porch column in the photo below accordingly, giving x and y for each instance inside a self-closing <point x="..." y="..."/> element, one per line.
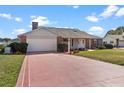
<point x="69" y="45"/>
<point x="89" y="43"/>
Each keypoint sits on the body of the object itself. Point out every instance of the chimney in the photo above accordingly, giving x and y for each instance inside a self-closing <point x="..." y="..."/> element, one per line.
<point x="34" y="25"/>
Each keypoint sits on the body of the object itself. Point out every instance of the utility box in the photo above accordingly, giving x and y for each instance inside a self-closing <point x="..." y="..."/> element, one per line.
<point x="7" y="50"/>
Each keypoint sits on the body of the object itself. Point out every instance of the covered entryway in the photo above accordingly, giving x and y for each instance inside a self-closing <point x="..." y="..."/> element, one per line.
<point x="35" y="45"/>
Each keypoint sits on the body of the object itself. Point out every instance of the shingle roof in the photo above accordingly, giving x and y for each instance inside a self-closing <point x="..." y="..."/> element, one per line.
<point x="66" y="32"/>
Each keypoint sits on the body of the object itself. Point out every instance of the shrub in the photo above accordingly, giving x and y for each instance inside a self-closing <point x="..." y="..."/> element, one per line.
<point x="18" y="47"/>
<point x="23" y="47"/>
<point x="101" y="47"/>
<point x="81" y="49"/>
<point x="62" y="47"/>
<point x="108" y="46"/>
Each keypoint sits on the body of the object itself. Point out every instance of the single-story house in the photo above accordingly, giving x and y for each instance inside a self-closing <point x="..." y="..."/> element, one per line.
<point x="47" y="38"/>
<point x="115" y="40"/>
<point x="5" y="43"/>
<point x="1" y="43"/>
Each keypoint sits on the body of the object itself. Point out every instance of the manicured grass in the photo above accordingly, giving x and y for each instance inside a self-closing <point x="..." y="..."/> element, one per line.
<point x="115" y="56"/>
<point x="9" y="69"/>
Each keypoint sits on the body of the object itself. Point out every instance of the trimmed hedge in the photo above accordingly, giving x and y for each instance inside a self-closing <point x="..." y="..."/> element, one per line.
<point x="18" y="48"/>
<point x="108" y="46"/>
<point x="105" y="46"/>
<point x="101" y="47"/>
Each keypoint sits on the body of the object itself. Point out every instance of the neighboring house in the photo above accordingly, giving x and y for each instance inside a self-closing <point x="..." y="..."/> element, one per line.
<point x="47" y="38"/>
<point x="5" y="43"/>
<point x="1" y="43"/>
<point x="115" y="40"/>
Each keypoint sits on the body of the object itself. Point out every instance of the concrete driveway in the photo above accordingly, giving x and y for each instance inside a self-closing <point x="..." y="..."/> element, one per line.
<point x="62" y="70"/>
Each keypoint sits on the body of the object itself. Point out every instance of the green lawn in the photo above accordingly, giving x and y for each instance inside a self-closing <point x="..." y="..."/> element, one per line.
<point x="115" y="56"/>
<point x="9" y="69"/>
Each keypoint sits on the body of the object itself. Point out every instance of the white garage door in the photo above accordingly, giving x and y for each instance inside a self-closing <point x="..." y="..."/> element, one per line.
<point x="121" y="43"/>
<point x="42" y="45"/>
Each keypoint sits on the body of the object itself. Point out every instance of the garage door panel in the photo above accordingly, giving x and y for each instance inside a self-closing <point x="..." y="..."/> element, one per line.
<point x="42" y="45"/>
<point x="121" y="43"/>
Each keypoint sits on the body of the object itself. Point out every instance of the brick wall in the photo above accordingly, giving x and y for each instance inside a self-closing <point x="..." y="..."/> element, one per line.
<point x="59" y="40"/>
<point x="22" y="39"/>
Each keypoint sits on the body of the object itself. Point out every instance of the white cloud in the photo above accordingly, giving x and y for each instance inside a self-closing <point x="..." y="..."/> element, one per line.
<point x="113" y="28"/>
<point x="120" y="12"/>
<point x="18" y="19"/>
<point x="76" y="6"/>
<point x="18" y="31"/>
<point x="109" y="11"/>
<point x="92" y="18"/>
<point x="42" y="21"/>
<point x="7" y="16"/>
<point x="96" y="30"/>
<point x="32" y="17"/>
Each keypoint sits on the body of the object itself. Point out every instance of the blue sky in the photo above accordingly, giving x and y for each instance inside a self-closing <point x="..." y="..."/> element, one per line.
<point x="93" y="19"/>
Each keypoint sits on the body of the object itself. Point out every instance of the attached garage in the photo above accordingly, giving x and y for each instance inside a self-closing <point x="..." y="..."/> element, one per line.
<point x="121" y="43"/>
<point x="41" y="40"/>
<point x="42" y="45"/>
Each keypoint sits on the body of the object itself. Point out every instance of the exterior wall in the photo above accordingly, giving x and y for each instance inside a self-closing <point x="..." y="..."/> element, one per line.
<point x="99" y="42"/>
<point x="95" y="43"/>
<point x="59" y="40"/>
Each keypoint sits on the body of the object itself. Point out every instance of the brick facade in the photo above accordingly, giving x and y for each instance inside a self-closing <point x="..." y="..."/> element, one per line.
<point x="22" y="39"/>
<point x="59" y="40"/>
